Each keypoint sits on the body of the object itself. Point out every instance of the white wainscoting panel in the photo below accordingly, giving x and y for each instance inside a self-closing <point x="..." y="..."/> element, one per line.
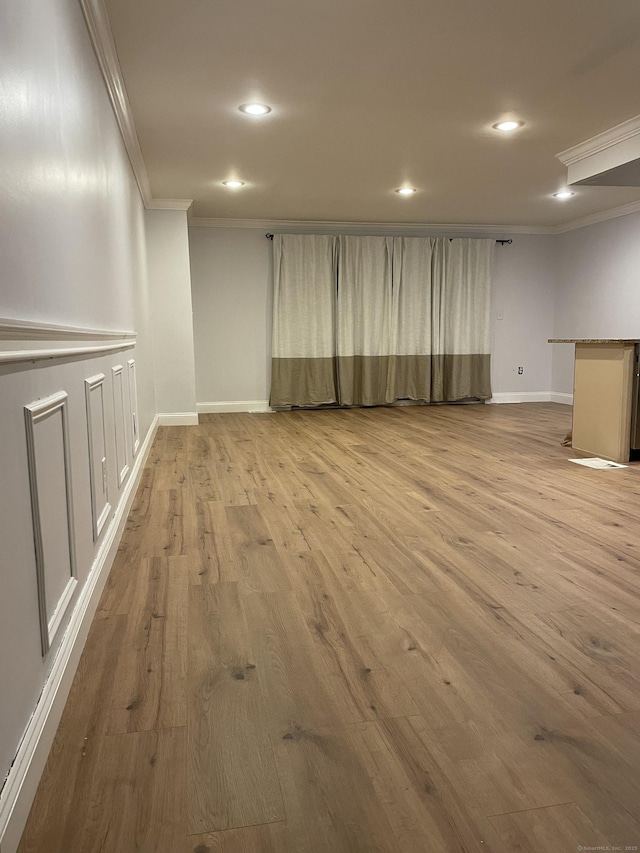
<point x="21" y="784"/>
<point x="133" y="407"/>
<point x="120" y="421"/>
<point x="98" y="462"/>
<point x="52" y="510"/>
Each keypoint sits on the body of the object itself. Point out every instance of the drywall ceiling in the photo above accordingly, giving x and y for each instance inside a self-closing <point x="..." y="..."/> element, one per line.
<point x="368" y="95"/>
<point x="626" y="175"/>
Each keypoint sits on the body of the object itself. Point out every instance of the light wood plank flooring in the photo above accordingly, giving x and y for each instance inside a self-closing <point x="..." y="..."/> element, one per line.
<point x="409" y="630"/>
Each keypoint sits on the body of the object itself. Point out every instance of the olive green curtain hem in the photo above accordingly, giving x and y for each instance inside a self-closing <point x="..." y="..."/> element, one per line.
<point x="460" y="377"/>
<point x="303" y="382"/>
<point x="379" y="380"/>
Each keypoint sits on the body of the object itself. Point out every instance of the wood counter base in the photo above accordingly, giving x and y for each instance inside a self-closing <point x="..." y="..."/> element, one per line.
<point x="603" y="381"/>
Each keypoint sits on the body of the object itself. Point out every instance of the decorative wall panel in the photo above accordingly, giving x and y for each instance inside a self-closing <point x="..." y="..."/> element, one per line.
<point x="98" y="463"/>
<point x="120" y="420"/>
<point x="52" y="510"/>
<point x="133" y="407"/>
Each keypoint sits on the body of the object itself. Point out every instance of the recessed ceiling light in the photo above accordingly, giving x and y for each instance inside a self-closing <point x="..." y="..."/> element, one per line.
<point x="563" y="194"/>
<point x="255" y="109"/>
<point x="407" y="190"/>
<point x="507" y="126"/>
<point x="233" y="185"/>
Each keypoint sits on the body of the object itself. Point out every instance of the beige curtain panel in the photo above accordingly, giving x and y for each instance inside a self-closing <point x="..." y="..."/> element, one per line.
<point x="303" y="364"/>
<point x="461" y="320"/>
<point x="366" y="321"/>
<point x="412" y="317"/>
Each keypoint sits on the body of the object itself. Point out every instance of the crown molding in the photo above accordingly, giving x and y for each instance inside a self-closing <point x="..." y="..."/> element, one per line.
<point x="418" y="229"/>
<point x="169" y="204"/>
<point x="97" y="20"/>
<point x="607" y="139"/>
<point x="383" y="228"/>
<point x="600" y="216"/>
<point x="597" y="160"/>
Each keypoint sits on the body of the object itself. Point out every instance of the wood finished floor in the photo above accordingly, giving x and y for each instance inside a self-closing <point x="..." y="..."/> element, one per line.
<point x="410" y="629"/>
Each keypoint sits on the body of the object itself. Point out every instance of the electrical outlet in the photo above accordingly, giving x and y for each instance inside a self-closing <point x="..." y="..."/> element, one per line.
<point x="521" y="370"/>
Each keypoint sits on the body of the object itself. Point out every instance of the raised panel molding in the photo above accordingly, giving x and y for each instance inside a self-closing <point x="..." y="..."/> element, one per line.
<point x="98" y="462"/>
<point x="120" y="423"/>
<point x="133" y="407"/>
<point x="21" y="784"/>
<point x="49" y="461"/>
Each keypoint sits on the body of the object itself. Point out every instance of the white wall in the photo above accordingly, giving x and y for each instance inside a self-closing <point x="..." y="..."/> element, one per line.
<point x="598" y="290"/>
<point x="230" y="270"/>
<point x="72" y="243"/>
<point x="562" y="368"/>
<point x="524" y="281"/>
<point x="171" y="312"/>
<point x="68" y="204"/>
<point x="231" y="288"/>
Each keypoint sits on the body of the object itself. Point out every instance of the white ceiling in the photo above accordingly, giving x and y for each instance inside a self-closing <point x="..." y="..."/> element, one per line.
<point x="370" y="94"/>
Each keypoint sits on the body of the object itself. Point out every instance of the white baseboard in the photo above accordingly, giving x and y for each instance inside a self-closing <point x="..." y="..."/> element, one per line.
<point x="532" y="397"/>
<point x="178" y="419"/>
<point x="20" y="788"/>
<point x="566" y="399"/>
<point x="521" y="397"/>
<point x="234" y="406"/>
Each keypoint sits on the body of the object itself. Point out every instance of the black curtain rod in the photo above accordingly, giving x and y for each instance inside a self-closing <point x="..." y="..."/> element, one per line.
<point x="502" y="242"/>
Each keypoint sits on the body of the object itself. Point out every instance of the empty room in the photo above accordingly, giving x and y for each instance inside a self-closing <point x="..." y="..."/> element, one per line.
<point x="319" y="392"/>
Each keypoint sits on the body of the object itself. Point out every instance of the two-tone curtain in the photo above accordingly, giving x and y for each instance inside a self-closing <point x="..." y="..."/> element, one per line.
<point x="303" y="364"/>
<point x="412" y="317"/>
<point x="365" y="321"/>
<point x="461" y="320"/>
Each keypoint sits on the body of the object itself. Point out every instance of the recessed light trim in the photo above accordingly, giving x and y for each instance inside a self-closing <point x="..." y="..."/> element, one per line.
<point x="406" y="190"/>
<point x="254" y="109"/>
<point x="563" y="194"/>
<point x="233" y="185"/>
<point x="507" y="126"/>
